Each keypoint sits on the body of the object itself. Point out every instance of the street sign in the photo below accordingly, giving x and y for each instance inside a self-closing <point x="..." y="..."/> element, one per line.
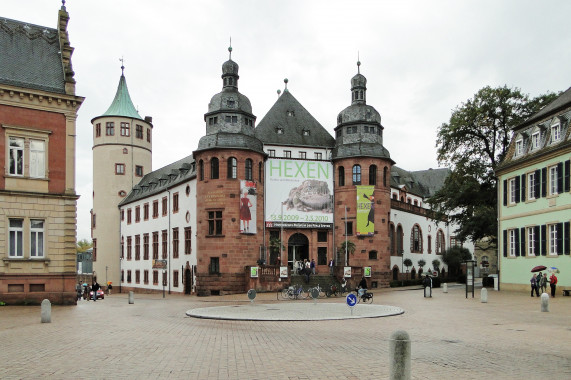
<point x="351" y="300"/>
<point x="251" y="294"/>
<point x="314" y="293"/>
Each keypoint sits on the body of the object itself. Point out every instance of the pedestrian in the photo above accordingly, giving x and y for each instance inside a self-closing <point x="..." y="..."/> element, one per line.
<point x="331" y="264"/>
<point x="553" y="283"/>
<point x="543" y="284"/>
<point x="312" y="266"/>
<point x="95" y="288"/>
<point x="534" y="287"/>
<point x="538" y="280"/>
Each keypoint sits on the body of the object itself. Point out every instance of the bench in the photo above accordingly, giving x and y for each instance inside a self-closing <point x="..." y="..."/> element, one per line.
<point x="566" y="292"/>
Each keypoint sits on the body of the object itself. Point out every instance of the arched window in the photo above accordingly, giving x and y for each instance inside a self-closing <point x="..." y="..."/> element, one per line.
<point x="201" y="170"/>
<point x="399" y="238"/>
<point x="232" y="168"/>
<point x="392" y="239"/>
<point x="341" y="176"/>
<point x="385" y="171"/>
<point x="214" y="168"/>
<point x="440" y="242"/>
<point x="373" y="175"/>
<point x="416" y="239"/>
<point x="395" y="196"/>
<point x="260" y="169"/>
<point x="356" y="174"/>
<point x="248" y="169"/>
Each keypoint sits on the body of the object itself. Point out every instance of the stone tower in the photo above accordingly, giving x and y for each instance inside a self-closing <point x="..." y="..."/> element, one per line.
<point x="122" y="155"/>
<point x="362" y="193"/>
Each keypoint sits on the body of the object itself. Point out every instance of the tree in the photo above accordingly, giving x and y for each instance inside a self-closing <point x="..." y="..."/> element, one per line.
<point x="454" y="256"/>
<point x="421" y="263"/>
<point x="407" y="263"/>
<point x="83" y="245"/>
<point x="436" y="264"/>
<point x="472" y="144"/>
<point x="350" y="249"/>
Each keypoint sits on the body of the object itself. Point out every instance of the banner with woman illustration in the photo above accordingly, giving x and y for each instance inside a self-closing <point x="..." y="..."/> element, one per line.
<point x="365" y="210"/>
<point x="248" y="207"/>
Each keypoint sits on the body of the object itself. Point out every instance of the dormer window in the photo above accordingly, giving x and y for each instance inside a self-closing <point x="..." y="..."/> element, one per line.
<point x="351" y="130"/>
<point x="555" y="132"/>
<point x="232" y="119"/>
<point x="519" y="147"/>
<point x="230" y="103"/>
<point x="535" y="141"/>
<point x="306" y="132"/>
<point x="212" y="120"/>
<point x="248" y="122"/>
<point x="279" y="130"/>
<point x="290" y="113"/>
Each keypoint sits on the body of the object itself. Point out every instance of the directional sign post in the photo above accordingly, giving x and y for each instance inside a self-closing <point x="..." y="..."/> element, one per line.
<point x="351" y="301"/>
<point x="252" y="295"/>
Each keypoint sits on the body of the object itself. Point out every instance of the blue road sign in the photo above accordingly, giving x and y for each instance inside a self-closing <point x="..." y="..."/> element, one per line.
<point x="351" y="299"/>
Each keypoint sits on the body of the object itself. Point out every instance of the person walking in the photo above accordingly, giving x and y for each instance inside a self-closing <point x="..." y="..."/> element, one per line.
<point x="331" y="264"/>
<point x="533" y="282"/>
<point x="543" y="284"/>
<point x="312" y="266"/>
<point x="95" y="288"/>
<point x="553" y="283"/>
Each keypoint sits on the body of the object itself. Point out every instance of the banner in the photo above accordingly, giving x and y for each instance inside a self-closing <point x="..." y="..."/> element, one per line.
<point x="248" y="207"/>
<point x="299" y="193"/>
<point x="365" y="210"/>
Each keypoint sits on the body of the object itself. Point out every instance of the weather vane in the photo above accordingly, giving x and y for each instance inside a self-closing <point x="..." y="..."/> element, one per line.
<point x="122" y="64"/>
<point x="358" y="64"/>
<point x="230" y="48"/>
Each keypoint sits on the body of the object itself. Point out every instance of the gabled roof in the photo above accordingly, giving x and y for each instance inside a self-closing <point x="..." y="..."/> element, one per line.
<point x="562" y="101"/>
<point x="30" y="57"/>
<point x="122" y="104"/>
<point x="299" y="127"/>
<point x="424" y="183"/>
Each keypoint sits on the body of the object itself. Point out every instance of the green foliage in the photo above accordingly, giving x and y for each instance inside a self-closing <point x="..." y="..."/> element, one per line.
<point x="436" y="264"/>
<point x="421" y="263"/>
<point x="454" y="257"/>
<point x="472" y="144"/>
<point x="350" y="247"/>
<point x="83" y="245"/>
<point x="275" y="244"/>
<point x="407" y="263"/>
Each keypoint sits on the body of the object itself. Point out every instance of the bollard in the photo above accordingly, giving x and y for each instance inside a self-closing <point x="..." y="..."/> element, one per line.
<point x="484" y="295"/>
<point x="46" y="311"/>
<point x="427" y="292"/>
<point x="131" y="297"/>
<point x="495" y="283"/>
<point x="399" y="355"/>
<point x="544" y="302"/>
<point x="445" y="288"/>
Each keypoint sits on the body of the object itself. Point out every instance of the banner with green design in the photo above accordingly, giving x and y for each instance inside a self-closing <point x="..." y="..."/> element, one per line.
<point x="365" y="210"/>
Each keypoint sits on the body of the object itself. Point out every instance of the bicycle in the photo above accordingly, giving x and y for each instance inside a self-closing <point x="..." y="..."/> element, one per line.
<point x="365" y="297"/>
<point x="293" y="292"/>
<point x="321" y="293"/>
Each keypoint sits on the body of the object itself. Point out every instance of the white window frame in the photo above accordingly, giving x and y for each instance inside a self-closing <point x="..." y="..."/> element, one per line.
<point x="519" y="147"/>
<point x="318" y="156"/>
<point x="37" y="234"/>
<point x="552" y="231"/>
<point x="531" y="186"/>
<point x="272" y="152"/>
<point x="512" y="189"/>
<point x="553" y="190"/>
<point x="531" y="238"/>
<point x="16" y="153"/>
<point x="535" y="139"/>
<point x="37" y="158"/>
<point x="119" y="169"/>
<point x="555" y="132"/>
<point x="303" y="155"/>
<point x="16" y="238"/>
<point x="512" y="242"/>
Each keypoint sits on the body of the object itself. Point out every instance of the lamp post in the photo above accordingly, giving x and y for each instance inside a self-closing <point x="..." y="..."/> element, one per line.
<point x="402" y="267"/>
<point x="164" y="281"/>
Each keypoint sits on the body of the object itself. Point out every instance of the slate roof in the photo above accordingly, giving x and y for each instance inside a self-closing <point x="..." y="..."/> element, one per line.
<point x="229" y="140"/>
<point x="423" y="183"/>
<point x="293" y="125"/>
<point x="361" y="149"/>
<point x="162" y="179"/>
<point x="562" y="101"/>
<point x="122" y="104"/>
<point x="30" y="57"/>
<point x="432" y="179"/>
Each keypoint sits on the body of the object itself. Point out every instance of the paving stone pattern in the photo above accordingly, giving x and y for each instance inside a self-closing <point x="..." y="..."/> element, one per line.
<point x="452" y="338"/>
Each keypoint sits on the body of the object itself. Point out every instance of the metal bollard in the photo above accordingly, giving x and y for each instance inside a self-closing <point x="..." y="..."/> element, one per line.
<point x="399" y="351"/>
<point x="131" y="297"/>
<point x="484" y="295"/>
<point x="545" y="302"/>
<point x="46" y="311"/>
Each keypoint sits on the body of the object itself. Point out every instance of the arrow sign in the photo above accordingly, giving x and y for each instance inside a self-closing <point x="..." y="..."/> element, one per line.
<point x="351" y="300"/>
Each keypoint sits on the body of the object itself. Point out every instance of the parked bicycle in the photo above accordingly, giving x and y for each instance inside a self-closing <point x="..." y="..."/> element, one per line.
<point x="320" y="290"/>
<point x="293" y="292"/>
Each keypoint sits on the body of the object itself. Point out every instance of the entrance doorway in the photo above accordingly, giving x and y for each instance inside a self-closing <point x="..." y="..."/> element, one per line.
<point x="298" y="248"/>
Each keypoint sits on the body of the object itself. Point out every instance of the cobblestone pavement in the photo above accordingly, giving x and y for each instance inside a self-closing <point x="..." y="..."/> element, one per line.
<point x="452" y="338"/>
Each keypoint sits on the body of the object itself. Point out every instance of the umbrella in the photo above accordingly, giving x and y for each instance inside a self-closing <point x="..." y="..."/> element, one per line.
<point x="554" y="270"/>
<point x="539" y="268"/>
<point x="84" y="284"/>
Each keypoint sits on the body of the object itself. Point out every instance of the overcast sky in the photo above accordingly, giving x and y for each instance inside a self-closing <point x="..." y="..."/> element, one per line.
<point x="421" y="59"/>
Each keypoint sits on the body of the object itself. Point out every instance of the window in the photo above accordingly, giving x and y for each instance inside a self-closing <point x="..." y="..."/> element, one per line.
<point x="318" y="156"/>
<point x="555" y="238"/>
<point x="155" y="245"/>
<point x="146" y="276"/>
<point x="535" y="141"/>
<point x="137" y="247"/>
<point x="512" y="242"/>
<point x="555" y="133"/>
<point x="175" y="203"/>
<point x="122" y="247"/>
<point x="129" y="248"/>
<point x="214" y="222"/>
<point x="214" y="267"/>
<point x="109" y="128"/>
<point x="232" y="168"/>
<point x="129" y="216"/>
<point x="260" y="170"/>
<point x="416" y="239"/>
<point x="175" y="279"/>
<point x="440" y="242"/>
<point x="518" y="147"/>
<point x="16" y="156"/>
<point x="165" y="244"/>
<point x="280" y="131"/>
<point x="248" y="170"/>
<point x="129" y="276"/>
<point x="139" y="131"/>
<point x="146" y="211"/>
<point x="37" y="159"/>
<point x="137" y="214"/>
<point x="287" y="153"/>
<point x="341" y="176"/>
<point x="201" y="170"/>
<point x="98" y="130"/>
<point x="125" y="129"/>
<point x="155" y="209"/>
<point x="351" y="130"/>
<point x="272" y="152"/>
<point x="303" y="155"/>
<point x="138" y="170"/>
<point x="321" y="236"/>
<point x="533" y="241"/>
<point x="187" y="240"/>
<point x="155" y="277"/>
<point x="137" y="276"/>
<point x="348" y="228"/>
<point x="553" y="179"/>
<point x="149" y="135"/>
<point x="372" y="255"/>
<point x="321" y="255"/>
<point x="392" y="239"/>
<point x="145" y="246"/>
<point x="429" y="248"/>
<point x="175" y="242"/>
<point x="16" y="231"/>
<point x="94" y="254"/>
<point x="165" y="206"/>
<point x="212" y="120"/>
<point x="214" y="168"/>
<point x="512" y="190"/>
<point x="372" y="175"/>
<point x="400" y="242"/>
<point x="231" y="119"/>
<point x="532" y="182"/>
<point x="356" y="174"/>
<point x="454" y="242"/>
<point x="119" y="169"/>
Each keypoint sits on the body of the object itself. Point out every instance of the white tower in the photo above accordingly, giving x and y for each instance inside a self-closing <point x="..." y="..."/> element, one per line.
<point x="122" y="155"/>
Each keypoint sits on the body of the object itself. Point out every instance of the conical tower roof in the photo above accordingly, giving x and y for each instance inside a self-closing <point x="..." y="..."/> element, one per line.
<point x="122" y="104"/>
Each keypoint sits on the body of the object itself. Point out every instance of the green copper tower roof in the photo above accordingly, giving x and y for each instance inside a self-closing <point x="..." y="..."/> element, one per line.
<point x="122" y="104"/>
